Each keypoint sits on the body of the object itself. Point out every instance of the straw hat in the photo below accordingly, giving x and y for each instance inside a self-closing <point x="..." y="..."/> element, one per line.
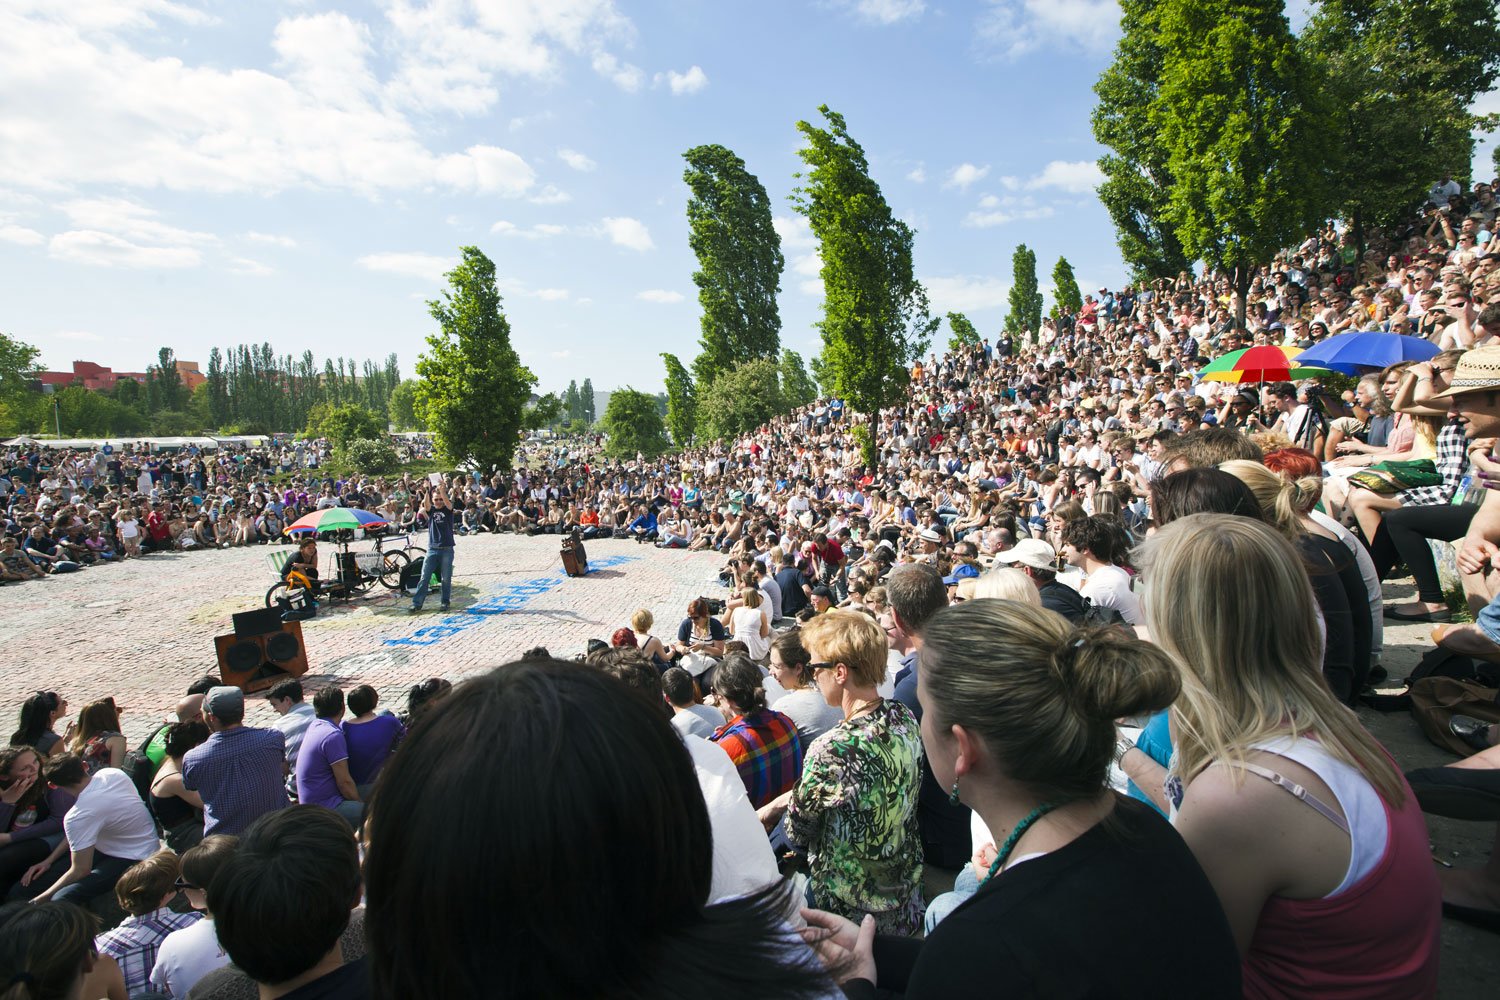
<point x="1478" y="371"/>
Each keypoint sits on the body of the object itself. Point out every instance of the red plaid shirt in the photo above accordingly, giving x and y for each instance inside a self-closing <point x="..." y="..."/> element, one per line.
<point x="766" y="750"/>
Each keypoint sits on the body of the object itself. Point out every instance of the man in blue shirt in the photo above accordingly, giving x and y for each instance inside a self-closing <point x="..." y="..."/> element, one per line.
<point x="239" y="772"/>
<point x="439" y="546"/>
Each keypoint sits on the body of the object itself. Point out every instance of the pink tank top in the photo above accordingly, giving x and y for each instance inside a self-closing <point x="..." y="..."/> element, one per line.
<point x="1378" y="939"/>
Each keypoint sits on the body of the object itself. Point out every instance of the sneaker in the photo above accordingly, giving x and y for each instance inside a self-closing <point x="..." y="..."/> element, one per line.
<point x="442" y="607"/>
<point x="415" y="609"/>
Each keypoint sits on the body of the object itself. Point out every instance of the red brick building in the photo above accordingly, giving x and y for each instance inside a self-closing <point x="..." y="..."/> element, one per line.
<point x="94" y="376"/>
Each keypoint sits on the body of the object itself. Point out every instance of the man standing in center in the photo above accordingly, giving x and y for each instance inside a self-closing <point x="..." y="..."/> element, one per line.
<point x="439" y="557"/>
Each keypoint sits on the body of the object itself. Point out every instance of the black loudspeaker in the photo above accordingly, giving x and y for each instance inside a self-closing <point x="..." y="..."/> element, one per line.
<point x="257" y="622"/>
<point x="256" y="662"/>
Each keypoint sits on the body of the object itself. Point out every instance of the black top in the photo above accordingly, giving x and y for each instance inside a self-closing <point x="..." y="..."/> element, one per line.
<point x="793" y="597"/>
<point x="1064" y="600"/>
<point x="1345" y="604"/>
<point x="171" y="811"/>
<point x="348" y="982"/>
<point x="1123" y="911"/>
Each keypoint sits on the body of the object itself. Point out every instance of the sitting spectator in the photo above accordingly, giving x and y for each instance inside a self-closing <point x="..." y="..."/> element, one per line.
<point x="1019" y="723"/>
<point x="762" y="742"/>
<point x="750" y="623"/>
<point x="14" y="565"/>
<point x="802" y="702"/>
<point x="689" y="716"/>
<point x="97" y="737"/>
<point x="178" y="810"/>
<point x="423" y="697"/>
<point x="323" y="777"/>
<point x="31" y="814"/>
<point x="1096" y="545"/>
<point x="296" y="871"/>
<point x="189" y="954"/>
<point x="238" y="772"/>
<point x="626" y="754"/>
<point x="371" y="737"/>
<point x="143" y="892"/>
<point x="286" y="700"/>
<point x="107" y="830"/>
<point x="38" y="723"/>
<point x="1038" y="560"/>
<point x="700" y="642"/>
<point x="640" y="623"/>
<point x="46" y="950"/>
<point x="855" y="807"/>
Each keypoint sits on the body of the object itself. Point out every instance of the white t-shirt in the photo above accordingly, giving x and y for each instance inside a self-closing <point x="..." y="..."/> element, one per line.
<point x="743" y="862"/>
<point x="186" y="956"/>
<point x="1109" y="587"/>
<point x="111" y="818"/>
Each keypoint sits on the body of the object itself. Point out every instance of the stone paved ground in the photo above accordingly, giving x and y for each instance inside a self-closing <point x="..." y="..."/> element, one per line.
<point x="143" y="631"/>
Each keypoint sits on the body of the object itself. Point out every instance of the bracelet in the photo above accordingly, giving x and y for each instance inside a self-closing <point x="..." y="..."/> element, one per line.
<point x="1122" y="747"/>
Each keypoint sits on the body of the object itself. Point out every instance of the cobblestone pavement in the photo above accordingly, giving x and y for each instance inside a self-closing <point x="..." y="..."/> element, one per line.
<point x="143" y="630"/>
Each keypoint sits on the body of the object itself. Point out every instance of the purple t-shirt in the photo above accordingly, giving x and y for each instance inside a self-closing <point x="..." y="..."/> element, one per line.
<point x="370" y="743"/>
<point x="322" y="747"/>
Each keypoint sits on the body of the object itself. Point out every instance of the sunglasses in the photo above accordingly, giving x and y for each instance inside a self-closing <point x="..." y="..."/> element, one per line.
<point x="182" y="884"/>
<point x="821" y="666"/>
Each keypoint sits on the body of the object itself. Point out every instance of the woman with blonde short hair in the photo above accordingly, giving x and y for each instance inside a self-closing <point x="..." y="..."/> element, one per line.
<point x="649" y="645"/>
<point x="1007" y="583"/>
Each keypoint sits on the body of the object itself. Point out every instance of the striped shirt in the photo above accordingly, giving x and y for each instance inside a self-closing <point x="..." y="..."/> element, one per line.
<point x="766" y="751"/>
<point x="135" y="942"/>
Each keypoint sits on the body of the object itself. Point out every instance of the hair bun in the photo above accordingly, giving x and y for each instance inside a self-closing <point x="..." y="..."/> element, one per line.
<point x="1110" y="674"/>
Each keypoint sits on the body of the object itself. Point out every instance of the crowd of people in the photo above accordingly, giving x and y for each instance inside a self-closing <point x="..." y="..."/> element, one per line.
<point x="1089" y="631"/>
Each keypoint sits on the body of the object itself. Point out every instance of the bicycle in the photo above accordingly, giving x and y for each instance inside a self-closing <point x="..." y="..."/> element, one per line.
<point x="393" y="563"/>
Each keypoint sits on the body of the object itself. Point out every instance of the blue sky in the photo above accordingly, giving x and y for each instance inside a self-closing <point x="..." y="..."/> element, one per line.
<point x="205" y="172"/>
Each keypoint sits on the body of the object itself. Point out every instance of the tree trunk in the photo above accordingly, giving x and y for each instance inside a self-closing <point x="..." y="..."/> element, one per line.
<point x="1242" y="292"/>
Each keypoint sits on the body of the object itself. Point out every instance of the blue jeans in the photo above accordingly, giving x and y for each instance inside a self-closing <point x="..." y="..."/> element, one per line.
<point x="1488" y="620"/>
<point x="966" y="885"/>
<point x="100" y="880"/>
<point x="439" y="561"/>
<point x="352" y="811"/>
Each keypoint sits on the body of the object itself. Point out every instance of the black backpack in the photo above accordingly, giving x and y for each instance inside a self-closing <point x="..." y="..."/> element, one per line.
<point x="1095" y="616"/>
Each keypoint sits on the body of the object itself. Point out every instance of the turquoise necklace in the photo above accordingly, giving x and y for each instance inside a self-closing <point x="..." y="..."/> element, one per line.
<point x="1016" y="835"/>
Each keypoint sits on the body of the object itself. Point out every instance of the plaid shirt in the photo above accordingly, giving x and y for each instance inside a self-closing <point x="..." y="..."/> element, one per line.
<point x="1451" y="460"/>
<point x="135" y="942"/>
<point x="239" y="773"/>
<point x="766" y="750"/>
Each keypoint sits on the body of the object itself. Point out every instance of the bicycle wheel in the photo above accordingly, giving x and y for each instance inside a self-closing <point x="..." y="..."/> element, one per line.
<point x="280" y="590"/>
<point x="391" y="567"/>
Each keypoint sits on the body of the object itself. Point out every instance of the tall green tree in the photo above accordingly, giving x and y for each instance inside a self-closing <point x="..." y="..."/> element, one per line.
<point x="633" y="425"/>
<point x="1239" y="121"/>
<point x="473" y="388"/>
<point x="1065" y="291"/>
<point x="217" y="389"/>
<point x="1025" y="296"/>
<point x="572" y="406"/>
<point x="739" y="261"/>
<point x="741" y="399"/>
<point x="403" y="406"/>
<point x="19" y="403"/>
<point x="1137" y="180"/>
<point x="797" y="387"/>
<point x="1397" y="82"/>
<point x="964" y="334"/>
<point x="875" y="313"/>
<point x="682" y="401"/>
<point x="164" y="376"/>
<point x="586" y="401"/>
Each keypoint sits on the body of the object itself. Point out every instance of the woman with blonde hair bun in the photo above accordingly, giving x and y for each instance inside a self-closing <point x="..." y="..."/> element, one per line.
<point x="1019" y="722"/>
<point x="1342" y="599"/>
<point x="1308" y="832"/>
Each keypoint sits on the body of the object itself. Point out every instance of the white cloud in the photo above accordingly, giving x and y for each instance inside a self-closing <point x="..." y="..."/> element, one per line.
<point x="1012" y="28"/>
<point x="10" y="233"/>
<point x="794" y="231"/>
<point x="83" y="106"/>
<point x="542" y="230"/>
<point x="87" y="246"/>
<point x="885" y="11"/>
<point x="690" y="82"/>
<point x="549" y="294"/>
<point x="622" y="74"/>
<point x="550" y="195"/>
<point x="812" y="287"/>
<point x="82" y="336"/>
<point x="130" y="219"/>
<point x="918" y="174"/>
<point x="521" y="121"/>
<point x="244" y="265"/>
<point x="425" y="266"/>
<point x="965" y="293"/>
<point x="561" y="354"/>
<point x="660" y="295"/>
<point x="1074" y="177"/>
<point x="1001" y="216"/>
<point x="271" y="239"/>
<point x="631" y="234"/>
<point x="576" y="160"/>
<point x="965" y="174"/>
<point x="809" y="265"/>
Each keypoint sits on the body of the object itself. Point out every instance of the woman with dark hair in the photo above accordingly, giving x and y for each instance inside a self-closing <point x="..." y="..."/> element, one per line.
<point x="1200" y="491"/>
<point x="608" y="820"/>
<point x="178" y="810"/>
<point x="803" y="703"/>
<point x="46" y="950"/>
<point x="422" y="697"/>
<point x="31" y="814"/>
<point x="763" y="743"/>
<point x="98" y="739"/>
<point x="700" y="642"/>
<point x="371" y="737"/>
<point x="39" y="714"/>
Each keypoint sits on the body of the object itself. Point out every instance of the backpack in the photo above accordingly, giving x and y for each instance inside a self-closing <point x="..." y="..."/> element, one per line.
<point x="1095" y="616"/>
<point x="141" y="770"/>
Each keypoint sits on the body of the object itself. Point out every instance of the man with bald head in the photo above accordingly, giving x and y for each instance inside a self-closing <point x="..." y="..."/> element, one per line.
<point x="189" y="709"/>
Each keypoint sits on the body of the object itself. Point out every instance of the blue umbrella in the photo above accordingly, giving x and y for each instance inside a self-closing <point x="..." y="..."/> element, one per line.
<point x="1356" y="353"/>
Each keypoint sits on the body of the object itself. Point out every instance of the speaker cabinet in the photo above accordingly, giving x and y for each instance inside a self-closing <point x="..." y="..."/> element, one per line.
<point x="256" y="662"/>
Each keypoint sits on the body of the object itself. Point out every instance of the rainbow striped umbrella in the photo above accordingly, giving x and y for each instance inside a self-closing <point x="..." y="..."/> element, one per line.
<point x="1261" y="363"/>
<point x="335" y="518"/>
